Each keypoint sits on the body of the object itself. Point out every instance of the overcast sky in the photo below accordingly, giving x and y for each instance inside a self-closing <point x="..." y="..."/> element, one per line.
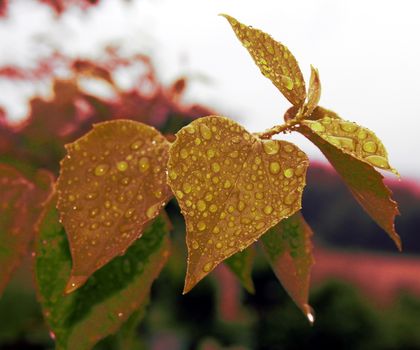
<point x="367" y="53"/>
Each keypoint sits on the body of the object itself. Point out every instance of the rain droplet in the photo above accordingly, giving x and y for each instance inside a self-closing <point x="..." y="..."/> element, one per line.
<point x="201" y="205"/>
<point x="186" y="187"/>
<point x="205" y="132"/>
<point x="173" y="175"/>
<point x="317" y="127"/>
<point x="215" y="167"/>
<point x="274" y="167"/>
<point x="213" y="208"/>
<point x="287" y="82"/>
<point x="183" y="153"/>
<point x="207" y="267"/>
<point x="271" y="146"/>
<point x="288" y="173"/>
<point x="144" y="164"/>
<point x="370" y="147"/>
<point x="122" y="166"/>
<point x="136" y="145"/>
<point x="195" y="245"/>
<point x="268" y="209"/>
<point x="201" y="226"/>
<point x="348" y="126"/>
<point x="101" y="169"/>
<point x="378" y="161"/>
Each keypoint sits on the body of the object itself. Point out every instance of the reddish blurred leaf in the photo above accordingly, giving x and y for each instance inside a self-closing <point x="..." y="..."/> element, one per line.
<point x="20" y="205"/>
<point x="231" y="187"/>
<point x="112" y="182"/>
<point x="289" y="250"/>
<point x="364" y="182"/>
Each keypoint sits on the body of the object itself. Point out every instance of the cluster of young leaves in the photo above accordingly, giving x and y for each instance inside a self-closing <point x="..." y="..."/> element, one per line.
<point x="234" y="188"/>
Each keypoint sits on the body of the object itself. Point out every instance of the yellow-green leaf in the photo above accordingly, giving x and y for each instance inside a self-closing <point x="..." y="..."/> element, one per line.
<point x="112" y="296"/>
<point x="364" y="182"/>
<point x="274" y="60"/>
<point x="231" y="187"/>
<point x="241" y="265"/>
<point x="288" y="248"/>
<point x="314" y="92"/>
<point x="353" y="139"/>
<point x="112" y="182"/>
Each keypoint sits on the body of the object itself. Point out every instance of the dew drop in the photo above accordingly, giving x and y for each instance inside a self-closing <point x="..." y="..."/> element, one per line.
<point x="271" y="146"/>
<point x="179" y="194"/>
<point x="201" y="205"/>
<point x="288" y="148"/>
<point x="317" y="127"/>
<point x="215" y="167"/>
<point x="211" y="153"/>
<point x="201" y="226"/>
<point x="348" y="126"/>
<point x="136" y="145"/>
<point x="186" y="187"/>
<point x="213" y="208"/>
<point x="287" y="82"/>
<point x="144" y="164"/>
<point x="370" y="147"/>
<point x="378" y="161"/>
<point x="205" y="132"/>
<point x="173" y="175"/>
<point x="362" y="134"/>
<point x="207" y="267"/>
<point x="241" y="205"/>
<point x="268" y="209"/>
<point x="101" y="169"/>
<point x="288" y="173"/>
<point x="152" y="211"/>
<point x="195" y="245"/>
<point x="227" y="184"/>
<point x="274" y="167"/>
<point x="122" y="166"/>
<point x="183" y="153"/>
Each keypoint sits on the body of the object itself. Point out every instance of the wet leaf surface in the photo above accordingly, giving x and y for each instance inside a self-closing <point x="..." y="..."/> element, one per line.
<point x="112" y="182"/>
<point x="274" y="60"/>
<point x="352" y="139"/>
<point x="288" y="248"/>
<point x="314" y="92"/>
<point x="110" y="296"/>
<point x="231" y="187"/>
<point x="364" y="182"/>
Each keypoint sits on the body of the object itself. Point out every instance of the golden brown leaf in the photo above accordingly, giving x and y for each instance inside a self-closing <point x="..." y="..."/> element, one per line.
<point x="355" y="140"/>
<point x="274" y="60"/>
<point x="289" y="250"/>
<point x="364" y="182"/>
<point x="231" y="187"/>
<point x="112" y="182"/>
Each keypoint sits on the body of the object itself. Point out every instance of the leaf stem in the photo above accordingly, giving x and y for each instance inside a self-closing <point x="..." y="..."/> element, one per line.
<point x="267" y="134"/>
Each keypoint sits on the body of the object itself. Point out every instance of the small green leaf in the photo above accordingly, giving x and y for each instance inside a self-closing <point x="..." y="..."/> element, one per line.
<point x="241" y="265"/>
<point x="274" y="60"/>
<point x="364" y="182"/>
<point x="112" y="294"/>
<point x="288" y="248"/>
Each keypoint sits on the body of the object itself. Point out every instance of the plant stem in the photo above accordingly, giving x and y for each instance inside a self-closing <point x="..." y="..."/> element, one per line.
<point x="267" y="134"/>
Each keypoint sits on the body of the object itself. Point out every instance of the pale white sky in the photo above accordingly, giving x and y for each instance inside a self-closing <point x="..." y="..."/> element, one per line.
<point x="367" y="52"/>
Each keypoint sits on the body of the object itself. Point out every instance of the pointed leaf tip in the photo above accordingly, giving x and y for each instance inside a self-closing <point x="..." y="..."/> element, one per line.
<point x="74" y="283"/>
<point x="231" y="187"/>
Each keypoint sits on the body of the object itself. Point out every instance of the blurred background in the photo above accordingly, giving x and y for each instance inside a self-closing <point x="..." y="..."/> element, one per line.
<point x="65" y="64"/>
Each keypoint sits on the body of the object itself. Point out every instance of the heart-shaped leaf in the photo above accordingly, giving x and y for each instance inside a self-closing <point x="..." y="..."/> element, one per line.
<point x="112" y="294"/>
<point x="231" y="187"/>
<point x="288" y="248"/>
<point x="274" y="60"/>
<point x="112" y="182"/>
